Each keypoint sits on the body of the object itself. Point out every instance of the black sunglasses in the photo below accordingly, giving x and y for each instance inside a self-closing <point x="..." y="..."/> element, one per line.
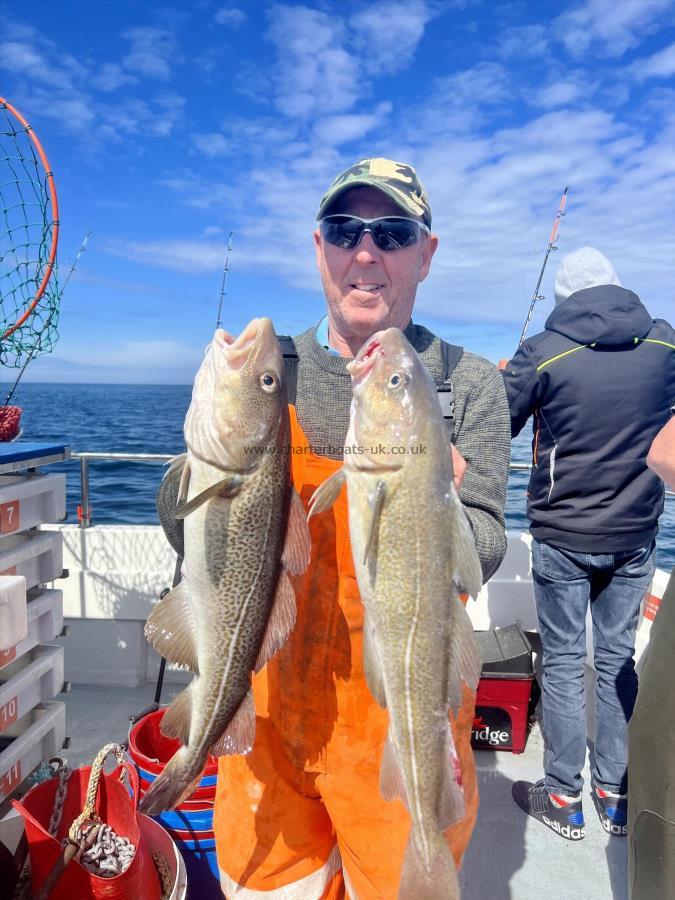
<point x="388" y="232"/>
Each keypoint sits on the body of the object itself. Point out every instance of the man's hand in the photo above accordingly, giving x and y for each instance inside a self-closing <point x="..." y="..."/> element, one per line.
<point x="458" y="466"/>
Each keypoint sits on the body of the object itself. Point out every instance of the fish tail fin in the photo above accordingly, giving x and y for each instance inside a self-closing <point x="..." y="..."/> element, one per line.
<point x="435" y="879"/>
<point x="178" y="780"/>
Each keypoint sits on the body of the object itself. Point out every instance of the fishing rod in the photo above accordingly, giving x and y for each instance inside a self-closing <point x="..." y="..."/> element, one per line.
<point x="83" y="247"/>
<point x="551" y="246"/>
<point x="219" y="323"/>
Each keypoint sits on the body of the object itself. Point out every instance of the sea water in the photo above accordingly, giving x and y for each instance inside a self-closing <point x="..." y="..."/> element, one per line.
<point x="109" y="418"/>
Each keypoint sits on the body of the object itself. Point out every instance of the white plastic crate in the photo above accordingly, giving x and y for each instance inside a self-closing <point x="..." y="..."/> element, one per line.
<point x="30" y="500"/>
<point x="34" y="678"/>
<point x="45" y="622"/>
<point x="37" y="736"/>
<point x="38" y="556"/>
<point x="13" y="617"/>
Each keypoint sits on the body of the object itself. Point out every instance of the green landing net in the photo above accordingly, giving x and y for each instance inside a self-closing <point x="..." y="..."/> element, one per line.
<point x="29" y="226"/>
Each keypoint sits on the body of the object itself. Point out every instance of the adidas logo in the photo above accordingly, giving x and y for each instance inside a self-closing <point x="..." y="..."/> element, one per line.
<point x="611" y="828"/>
<point x="566" y="831"/>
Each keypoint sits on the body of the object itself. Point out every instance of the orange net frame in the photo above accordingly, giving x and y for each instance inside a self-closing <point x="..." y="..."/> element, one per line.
<point x="29" y="232"/>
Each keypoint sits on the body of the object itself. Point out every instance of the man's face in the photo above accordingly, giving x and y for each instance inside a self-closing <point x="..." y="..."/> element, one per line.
<point x="366" y="288"/>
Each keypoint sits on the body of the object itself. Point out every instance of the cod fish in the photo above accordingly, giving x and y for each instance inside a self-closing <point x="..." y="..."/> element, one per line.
<point x="245" y="530"/>
<point x="411" y="541"/>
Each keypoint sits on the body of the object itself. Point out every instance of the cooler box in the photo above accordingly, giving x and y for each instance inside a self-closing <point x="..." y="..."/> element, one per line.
<point x="504" y="690"/>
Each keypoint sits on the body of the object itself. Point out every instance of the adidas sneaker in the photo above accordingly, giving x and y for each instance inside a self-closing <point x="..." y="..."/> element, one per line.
<point x="612" y="810"/>
<point x="560" y="813"/>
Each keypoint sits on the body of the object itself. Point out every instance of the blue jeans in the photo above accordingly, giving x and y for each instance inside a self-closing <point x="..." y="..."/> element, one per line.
<point x="564" y="584"/>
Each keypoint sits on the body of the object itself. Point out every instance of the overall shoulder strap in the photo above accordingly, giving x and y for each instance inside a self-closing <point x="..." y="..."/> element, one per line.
<point x="290" y="364"/>
<point x="450" y="356"/>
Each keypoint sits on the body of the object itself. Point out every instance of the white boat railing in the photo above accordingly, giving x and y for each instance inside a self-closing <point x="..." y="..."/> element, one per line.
<point x="84" y="511"/>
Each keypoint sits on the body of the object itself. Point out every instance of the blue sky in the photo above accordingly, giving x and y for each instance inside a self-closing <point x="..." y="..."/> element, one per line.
<point x="168" y="126"/>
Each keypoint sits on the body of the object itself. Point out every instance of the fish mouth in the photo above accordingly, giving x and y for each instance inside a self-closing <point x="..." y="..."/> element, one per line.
<point x="237" y="350"/>
<point x="364" y="362"/>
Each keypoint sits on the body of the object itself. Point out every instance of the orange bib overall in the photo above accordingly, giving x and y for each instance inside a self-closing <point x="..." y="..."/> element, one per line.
<point x="301" y="816"/>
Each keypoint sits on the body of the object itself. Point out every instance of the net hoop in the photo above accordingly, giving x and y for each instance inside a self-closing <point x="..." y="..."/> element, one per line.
<point x="49" y="266"/>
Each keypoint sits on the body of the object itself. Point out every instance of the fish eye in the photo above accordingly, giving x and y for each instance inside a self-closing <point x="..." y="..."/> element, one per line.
<point x="268" y="382"/>
<point x="397" y="380"/>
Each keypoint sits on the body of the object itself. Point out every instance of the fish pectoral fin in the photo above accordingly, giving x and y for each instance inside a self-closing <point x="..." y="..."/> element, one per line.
<point x="391" y="777"/>
<point x="451" y="807"/>
<point x="170" y="628"/>
<point x="464" y="662"/>
<point x="184" y="484"/>
<point x="469" y="569"/>
<point x="297" y="546"/>
<point x="327" y="493"/>
<point x="280" y="623"/>
<point x="167" y="501"/>
<point x="226" y="487"/>
<point x="372" y="667"/>
<point x="239" y="735"/>
<point x="176" y="720"/>
<point x="375" y="505"/>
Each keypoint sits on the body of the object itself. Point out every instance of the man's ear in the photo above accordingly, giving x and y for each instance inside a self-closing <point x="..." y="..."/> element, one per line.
<point x="318" y="247"/>
<point x="430" y="247"/>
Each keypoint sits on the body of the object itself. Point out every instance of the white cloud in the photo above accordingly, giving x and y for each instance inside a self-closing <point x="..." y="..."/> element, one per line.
<point x="524" y="41"/>
<point x="660" y="65"/>
<point x="192" y="256"/>
<point x="152" y="52"/>
<point x="231" y="16"/>
<point x="610" y="26"/>
<point x="560" y="93"/>
<point x="211" y="144"/>
<point x="337" y="130"/>
<point x="386" y="34"/>
<point x="111" y="77"/>
<point x="316" y="74"/>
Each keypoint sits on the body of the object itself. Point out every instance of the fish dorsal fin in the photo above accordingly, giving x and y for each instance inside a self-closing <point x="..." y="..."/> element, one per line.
<point x="280" y="623"/>
<point x="327" y="493"/>
<point x="176" y="720"/>
<point x="170" y="628"/>
<point x="469" y="570"/>
<point x="463" y="659"/>
<point x="451" y="801"/>
<point x="229" y="486"/>
<point x="295" y="556"/>
<point x="391" y="777"/>
<point x="376" y="501"/>
<point x="372" y="667"/>
<point x="239" y="735"/>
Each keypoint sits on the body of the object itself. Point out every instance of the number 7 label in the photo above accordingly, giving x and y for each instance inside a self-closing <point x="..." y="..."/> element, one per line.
<point x="10" y="515"/>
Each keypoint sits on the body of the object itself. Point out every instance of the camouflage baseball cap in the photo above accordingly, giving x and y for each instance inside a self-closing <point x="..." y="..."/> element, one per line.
<point x="397" y="180"/>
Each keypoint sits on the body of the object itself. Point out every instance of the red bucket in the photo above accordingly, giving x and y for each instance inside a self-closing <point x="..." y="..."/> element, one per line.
<point x="115" y="806"/>
<point x="151" y="751"/>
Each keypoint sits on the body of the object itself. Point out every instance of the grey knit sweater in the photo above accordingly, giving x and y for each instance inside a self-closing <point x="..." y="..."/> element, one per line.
<point x="482" y="425"/>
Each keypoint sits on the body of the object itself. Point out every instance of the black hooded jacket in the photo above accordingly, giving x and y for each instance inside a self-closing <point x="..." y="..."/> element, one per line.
<point x="599" y="382"/>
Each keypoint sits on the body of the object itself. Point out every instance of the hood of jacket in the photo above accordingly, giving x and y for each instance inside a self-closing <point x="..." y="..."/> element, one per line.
<point x="606" y="314"/>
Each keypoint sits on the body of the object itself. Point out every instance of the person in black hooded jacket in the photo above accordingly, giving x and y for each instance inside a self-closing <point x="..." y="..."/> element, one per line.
<point x="599" y="382"/>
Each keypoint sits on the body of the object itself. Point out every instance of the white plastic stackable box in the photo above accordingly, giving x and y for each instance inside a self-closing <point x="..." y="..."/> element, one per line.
<point x="38" y="556"/>
<point x="44" y="622"/>
<point x="13" y="616"/>
<point x="35" y="677"/>
<point x="28" y="501"/>
<point x="36" y="736"/>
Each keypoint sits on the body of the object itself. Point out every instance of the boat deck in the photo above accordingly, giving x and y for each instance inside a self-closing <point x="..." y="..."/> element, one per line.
<point x="510" y="856"/>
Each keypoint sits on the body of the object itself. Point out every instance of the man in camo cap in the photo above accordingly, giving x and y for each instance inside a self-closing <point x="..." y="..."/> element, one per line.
<point x="302" y="815"/>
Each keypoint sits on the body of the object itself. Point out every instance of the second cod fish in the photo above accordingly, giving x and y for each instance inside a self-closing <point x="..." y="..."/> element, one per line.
<point x="410" y="541"/>
<point x="244" y="530"/>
